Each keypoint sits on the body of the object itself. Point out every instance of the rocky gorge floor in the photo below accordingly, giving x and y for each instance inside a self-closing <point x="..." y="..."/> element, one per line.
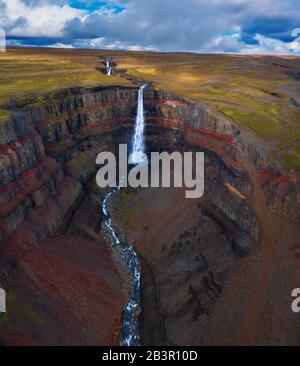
<point x="197" y="288"/>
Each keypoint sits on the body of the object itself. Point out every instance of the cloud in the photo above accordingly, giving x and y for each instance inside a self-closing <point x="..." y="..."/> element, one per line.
<point x="262" y="45"/>
<point x="295" y="32"/>
<point x="246" y="26"/>
<point x="98" y="43"/>
<point x="60" y="45"/>
<point x="279" y="27"/>
<point x="167" y="24"/>
<point x="35" y="18"/>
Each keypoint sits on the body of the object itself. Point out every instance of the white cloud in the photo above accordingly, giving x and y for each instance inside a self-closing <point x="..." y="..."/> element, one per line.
<point x="103" y="43"/>
<point x="295" y="32"/>
<point x="265" y="45"/>
<point x="36" y="21"/>
<point x="60" y="45"/>
<point x="270" y="45"/>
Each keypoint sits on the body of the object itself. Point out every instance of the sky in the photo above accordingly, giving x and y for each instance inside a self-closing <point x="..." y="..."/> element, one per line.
<point x="208" y="26"/>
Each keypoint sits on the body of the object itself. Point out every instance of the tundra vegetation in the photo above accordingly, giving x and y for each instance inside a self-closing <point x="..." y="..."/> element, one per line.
<point x="260" y="93"/>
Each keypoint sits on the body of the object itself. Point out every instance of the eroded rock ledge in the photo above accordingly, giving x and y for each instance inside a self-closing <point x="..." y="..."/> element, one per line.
<point x="47" y="159"/>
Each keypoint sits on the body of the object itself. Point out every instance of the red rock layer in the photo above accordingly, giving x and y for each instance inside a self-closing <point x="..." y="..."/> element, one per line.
<point x="66" y="292"/>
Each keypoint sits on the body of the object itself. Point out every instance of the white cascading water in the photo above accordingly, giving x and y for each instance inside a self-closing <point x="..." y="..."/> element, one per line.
<point x="108" y="68"/>
<point x="138" y="143"/>
<point x="130" y="334"/>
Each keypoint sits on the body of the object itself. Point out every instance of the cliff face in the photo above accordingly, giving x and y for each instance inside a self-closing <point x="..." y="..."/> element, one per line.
<point x="47" y="161"/>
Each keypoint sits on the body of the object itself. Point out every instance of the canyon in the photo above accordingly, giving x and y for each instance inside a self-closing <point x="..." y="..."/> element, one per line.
<point x="215" y="271"/>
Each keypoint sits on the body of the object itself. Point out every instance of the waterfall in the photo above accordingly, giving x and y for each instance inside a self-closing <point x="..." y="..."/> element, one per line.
<point x="108" y="68"/>
<point x="130" y="334"/>
<point x="138" y="143"/>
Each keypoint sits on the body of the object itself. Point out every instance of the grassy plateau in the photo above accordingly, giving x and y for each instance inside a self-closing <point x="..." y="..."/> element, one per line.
<point x="259" y="93"/>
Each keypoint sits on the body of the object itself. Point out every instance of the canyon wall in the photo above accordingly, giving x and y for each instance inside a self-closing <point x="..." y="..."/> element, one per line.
<point x="47" y="168"/>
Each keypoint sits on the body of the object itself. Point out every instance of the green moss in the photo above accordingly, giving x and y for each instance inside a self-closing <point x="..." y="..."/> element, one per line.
<point x="26" y="312"/>
<point x="83" y="160"/>
<point x="214" y="89"/>
<point x="10" y="306"/>
<point x="4" y="115"/>
<point x="39" y="102"/>
<point x="293" y="160"/>
<point x="126" y="197"/>
<point x="261" y="123"/>
<point x="126" y="215"/>
<point x="295" y="132"/>
<point x="16" y="309"/>
<point x="28" y="74"/>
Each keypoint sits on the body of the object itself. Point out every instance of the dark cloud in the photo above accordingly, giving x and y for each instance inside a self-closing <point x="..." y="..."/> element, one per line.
<point x="189" y="25"/>
<point x="166" y="24"/>
<point x="278" y="27"/>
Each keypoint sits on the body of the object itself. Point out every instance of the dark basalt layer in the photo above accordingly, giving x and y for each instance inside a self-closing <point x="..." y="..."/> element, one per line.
<point x="47" y="165"/>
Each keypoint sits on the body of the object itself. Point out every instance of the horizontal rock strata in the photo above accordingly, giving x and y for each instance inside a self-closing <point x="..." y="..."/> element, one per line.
<point x="47" y="159"/>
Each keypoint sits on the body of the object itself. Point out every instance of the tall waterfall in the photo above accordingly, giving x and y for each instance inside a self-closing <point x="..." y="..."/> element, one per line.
<point x="138" y="143"/>
<point x="130" y="334"/>
<point x="108" y="68"/>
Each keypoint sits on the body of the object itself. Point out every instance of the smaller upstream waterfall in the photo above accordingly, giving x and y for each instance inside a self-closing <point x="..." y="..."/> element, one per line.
<point x="138" y="143"/>
<point x="108" y="68"/>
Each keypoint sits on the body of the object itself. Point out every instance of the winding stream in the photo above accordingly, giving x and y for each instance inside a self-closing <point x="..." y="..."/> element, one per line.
<point x="130" y="334"/>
